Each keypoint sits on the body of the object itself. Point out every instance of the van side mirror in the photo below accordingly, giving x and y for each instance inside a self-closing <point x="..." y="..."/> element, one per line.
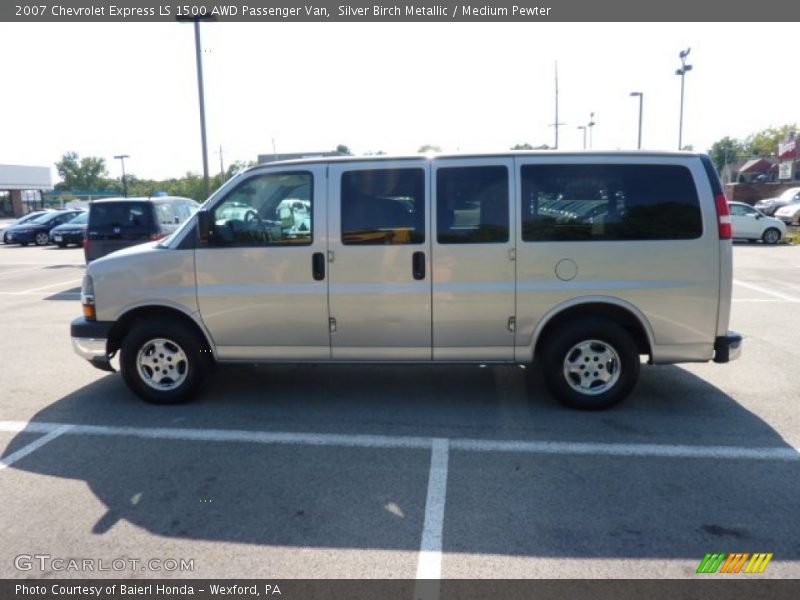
<point x="204" y="222"/>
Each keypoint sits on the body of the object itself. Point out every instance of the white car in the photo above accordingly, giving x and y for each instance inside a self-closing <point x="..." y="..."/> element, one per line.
<point x="751" y="224"/>
<point x="789" y="214"/>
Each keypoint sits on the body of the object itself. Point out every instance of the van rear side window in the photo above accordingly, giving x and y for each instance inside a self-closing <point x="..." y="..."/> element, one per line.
<point x="472" y="205"/>
<point x="609" y="202"/>
<point x="121" y="214"/>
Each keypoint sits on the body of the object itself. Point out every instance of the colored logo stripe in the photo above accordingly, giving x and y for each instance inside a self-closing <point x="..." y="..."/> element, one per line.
<point x="734" y="562"/>
<point x="758" y="563"/>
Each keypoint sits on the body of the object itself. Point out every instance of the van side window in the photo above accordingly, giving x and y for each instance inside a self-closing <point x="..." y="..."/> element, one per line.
<point x="585" y="202"/>
<point x="472" y="205"/>
<point x="383" y="206"/>
<point x="273" y="209"/>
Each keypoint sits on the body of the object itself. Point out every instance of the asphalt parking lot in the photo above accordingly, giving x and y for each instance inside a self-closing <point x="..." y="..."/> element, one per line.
<point x="396" y="472"/>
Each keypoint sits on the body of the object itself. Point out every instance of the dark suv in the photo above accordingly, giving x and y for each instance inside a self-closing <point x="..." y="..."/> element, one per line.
<point x="117" y="223"/>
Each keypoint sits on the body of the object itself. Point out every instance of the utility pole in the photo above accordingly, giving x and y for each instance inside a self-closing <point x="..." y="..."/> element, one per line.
<point x="121" y="158"/>
<point x="556" y="124"/>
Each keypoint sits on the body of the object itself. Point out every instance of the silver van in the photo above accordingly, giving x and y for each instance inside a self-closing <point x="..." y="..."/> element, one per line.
<point x="583" y="262"/>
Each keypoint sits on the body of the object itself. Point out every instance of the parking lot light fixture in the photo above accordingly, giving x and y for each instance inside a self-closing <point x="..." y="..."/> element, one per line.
<point x="682" y="74"/>
<point x="641" y="101"/>
<point x="200" y="93"/>
<point x="584" y="135"/>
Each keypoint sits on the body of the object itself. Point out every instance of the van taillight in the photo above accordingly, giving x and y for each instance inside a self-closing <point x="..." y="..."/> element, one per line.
<point x="724" y="217"/>
<point x="157" y="236"/>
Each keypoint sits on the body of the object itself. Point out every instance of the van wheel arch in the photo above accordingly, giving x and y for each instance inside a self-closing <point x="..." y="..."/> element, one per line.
<point x="126" y="322"/>
<point x="615" y="313"/>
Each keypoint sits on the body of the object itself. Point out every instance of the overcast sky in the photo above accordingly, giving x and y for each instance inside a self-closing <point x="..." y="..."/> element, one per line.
<point x="106" y="89"/>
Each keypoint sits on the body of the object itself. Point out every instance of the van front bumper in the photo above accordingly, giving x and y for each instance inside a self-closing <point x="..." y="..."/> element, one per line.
<point x="727" y="347"/>
<point x="90" y="341"/>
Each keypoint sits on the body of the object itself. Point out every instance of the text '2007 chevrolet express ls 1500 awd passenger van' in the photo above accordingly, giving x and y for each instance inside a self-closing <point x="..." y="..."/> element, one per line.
<point x="582" y="262"/>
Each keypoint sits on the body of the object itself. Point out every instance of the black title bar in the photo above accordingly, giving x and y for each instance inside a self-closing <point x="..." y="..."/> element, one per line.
<point x="536" y="11"/>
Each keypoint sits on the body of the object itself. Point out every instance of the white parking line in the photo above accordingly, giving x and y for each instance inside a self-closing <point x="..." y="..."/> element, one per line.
<point x="429" y="565"/>
<point x="33" y="446"/>
<point x="751" y="300"/>
<point x="20" y="271"/>
<point x="44" y="287"/>
<point x="72" y="294"/>
<point x="418" y="443"/>
<point x="767" y="291"/>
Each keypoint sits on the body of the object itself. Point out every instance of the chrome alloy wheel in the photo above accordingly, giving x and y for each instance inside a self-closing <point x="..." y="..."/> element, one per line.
<point x="162" y="364"/>
<point x="591" y="367"/>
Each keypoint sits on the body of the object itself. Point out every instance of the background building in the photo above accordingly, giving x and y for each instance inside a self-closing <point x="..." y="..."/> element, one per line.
<point x="21" y="189"/>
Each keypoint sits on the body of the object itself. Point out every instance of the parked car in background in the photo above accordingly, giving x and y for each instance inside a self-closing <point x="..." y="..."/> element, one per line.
<point x="751" y="224"/>
<point x="117" y="223"/>
<point x="29" y="217"/>
<point x="37" y="231"/>
<point x="71" y="232"/>
<point x="768" y="206"/>
<point x="789" y="214"/>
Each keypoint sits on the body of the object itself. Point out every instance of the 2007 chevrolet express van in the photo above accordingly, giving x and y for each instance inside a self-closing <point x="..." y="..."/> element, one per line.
<point x="584" y="262"/>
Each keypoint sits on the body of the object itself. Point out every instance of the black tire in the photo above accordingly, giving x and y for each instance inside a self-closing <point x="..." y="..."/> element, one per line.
<point x="598" y="336"/>
<point x="41" y="239"/>
<point x="771" y="236"/>
<point x="141" y="337"/>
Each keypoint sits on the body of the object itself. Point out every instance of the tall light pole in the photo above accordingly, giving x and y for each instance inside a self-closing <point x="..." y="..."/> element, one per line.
<point x="641" y="101"/>
<point x="590" y="124"/>
<point x="682" y="73"/>
<point x="584" y="135"/>
<point x="121" y="158"/>
<point x="200" y="93"/>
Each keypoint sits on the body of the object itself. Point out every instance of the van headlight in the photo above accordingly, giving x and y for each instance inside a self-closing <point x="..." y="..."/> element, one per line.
<point x="87" y="298"/>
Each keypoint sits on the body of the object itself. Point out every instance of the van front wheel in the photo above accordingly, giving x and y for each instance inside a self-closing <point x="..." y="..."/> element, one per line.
<point x="590" y="364"/>
<point x="162" y="362"/>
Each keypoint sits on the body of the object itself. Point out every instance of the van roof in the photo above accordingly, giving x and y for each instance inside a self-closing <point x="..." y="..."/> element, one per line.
<point x="507" y="154"/>
<point x="139" y="199"/>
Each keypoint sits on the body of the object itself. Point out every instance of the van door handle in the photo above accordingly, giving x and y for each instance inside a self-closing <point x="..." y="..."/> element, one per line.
<point x="318" y="266"/>
<point x="418" y="265"/>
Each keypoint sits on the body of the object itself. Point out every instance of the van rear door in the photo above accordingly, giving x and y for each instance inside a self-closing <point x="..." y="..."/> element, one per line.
<point x="473" y="259"/>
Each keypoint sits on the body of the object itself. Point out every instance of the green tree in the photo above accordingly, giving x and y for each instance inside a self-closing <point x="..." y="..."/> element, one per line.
<point x="765" y="142"/>
<point x="343" y="150"/>
<point x="86" y="173"/>
<point x="428" y="148"/>
<point x="727" y="150"/>
<point x="527" y="146"/>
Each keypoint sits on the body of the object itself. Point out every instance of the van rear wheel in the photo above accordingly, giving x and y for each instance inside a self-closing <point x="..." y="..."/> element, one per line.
<point x="590" y="364"/>
<point x="163" y="362"/>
